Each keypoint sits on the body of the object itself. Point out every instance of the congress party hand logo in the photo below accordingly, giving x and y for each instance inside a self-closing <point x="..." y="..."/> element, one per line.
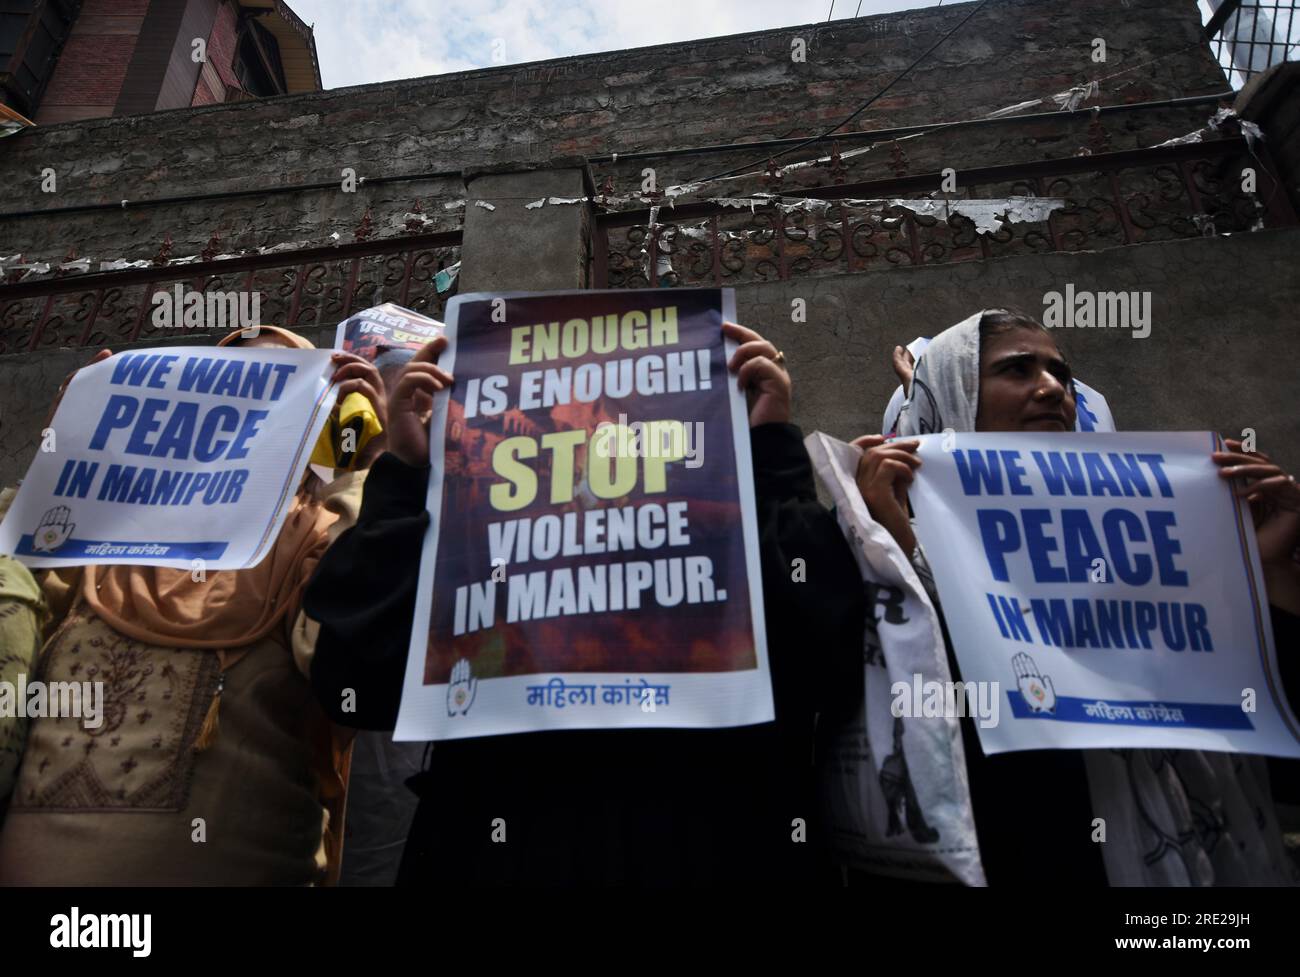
<point x="1036" y="689"/>
<point x="461" y="689"/>
<point x="53" y="530"/>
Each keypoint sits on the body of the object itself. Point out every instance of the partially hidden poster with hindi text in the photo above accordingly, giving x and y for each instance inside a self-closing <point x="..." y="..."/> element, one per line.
<point x="592" y="555"/>
<point x="372" y="332"/>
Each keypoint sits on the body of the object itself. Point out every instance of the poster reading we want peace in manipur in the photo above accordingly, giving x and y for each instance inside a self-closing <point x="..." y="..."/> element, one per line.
<point x="592" y="558"/>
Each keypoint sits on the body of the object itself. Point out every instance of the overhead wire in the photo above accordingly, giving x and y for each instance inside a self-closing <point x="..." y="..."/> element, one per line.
<point x="860" y="109"/>
<point x="898" y="133"/>
<point x="940" y="127"/>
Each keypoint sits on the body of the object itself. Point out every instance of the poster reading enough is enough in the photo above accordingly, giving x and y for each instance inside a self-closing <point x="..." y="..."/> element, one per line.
<point x="592" y="556"/>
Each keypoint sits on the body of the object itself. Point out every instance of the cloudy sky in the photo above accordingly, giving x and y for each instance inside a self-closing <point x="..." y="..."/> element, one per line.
<point x="361" y="41"/>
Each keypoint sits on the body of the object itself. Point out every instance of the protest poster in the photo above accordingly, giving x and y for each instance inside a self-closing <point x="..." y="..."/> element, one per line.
<point x="592" y="556"/>
<point x="1109" y="584"/>
<point x="184" y="457"/>
<point x="370" y="332"/>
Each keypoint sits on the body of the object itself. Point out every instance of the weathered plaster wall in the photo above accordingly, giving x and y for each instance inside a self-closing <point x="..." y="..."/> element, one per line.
<point x="717" y="91"/>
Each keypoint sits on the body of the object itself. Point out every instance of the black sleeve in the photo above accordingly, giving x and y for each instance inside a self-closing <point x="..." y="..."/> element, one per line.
<point x="363" y="596"/>
<point x="1284" y="775"/>
<point x="815" y="609"/>
<point x="1286" y="638"/>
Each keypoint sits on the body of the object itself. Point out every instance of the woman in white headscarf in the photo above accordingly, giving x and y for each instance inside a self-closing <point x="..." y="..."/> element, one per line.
<point x="1172" y="816"/>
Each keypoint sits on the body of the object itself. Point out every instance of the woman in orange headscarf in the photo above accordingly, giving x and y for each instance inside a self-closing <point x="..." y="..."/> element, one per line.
<point x="212" y="762"/>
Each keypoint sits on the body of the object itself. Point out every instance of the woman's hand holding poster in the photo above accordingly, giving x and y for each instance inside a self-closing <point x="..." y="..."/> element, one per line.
<point x="1108" y="585"/>
<point x="592" y="557"/>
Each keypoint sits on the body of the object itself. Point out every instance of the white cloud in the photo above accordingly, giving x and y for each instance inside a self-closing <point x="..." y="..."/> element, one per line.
<point x="364" y="41"/>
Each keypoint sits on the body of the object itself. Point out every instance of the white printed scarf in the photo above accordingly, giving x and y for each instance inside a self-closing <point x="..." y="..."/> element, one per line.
<point x="896" y="795"/>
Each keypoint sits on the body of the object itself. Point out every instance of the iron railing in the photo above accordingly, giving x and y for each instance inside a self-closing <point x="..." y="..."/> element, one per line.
<point x="1111" y="199"/>
<point x="313" y="287"/>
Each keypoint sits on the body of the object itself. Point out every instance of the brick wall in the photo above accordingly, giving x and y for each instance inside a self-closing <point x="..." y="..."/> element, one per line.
<point x="221" y="46"/>
<point x="203" y="94"/>
<point x="88" y="77"/>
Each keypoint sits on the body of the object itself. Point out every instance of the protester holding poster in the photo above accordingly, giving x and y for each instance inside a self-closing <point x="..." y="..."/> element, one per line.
<point x="380" y="806"/>
<point x="593" y="523"/>
<point x="210" y="761"/>
<point x="605" y="804"/>
<point x="1035" y="810"/>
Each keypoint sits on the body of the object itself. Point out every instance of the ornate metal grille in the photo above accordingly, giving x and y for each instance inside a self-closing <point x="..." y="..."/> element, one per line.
<point x="1112" y="199"/>
<point x="306" y="288"/>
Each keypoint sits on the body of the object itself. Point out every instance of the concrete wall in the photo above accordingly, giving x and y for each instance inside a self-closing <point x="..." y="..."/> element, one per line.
<point x="1221" y="354"/>
<point x="508" y="249"/>
<point x="718" y="91"/>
